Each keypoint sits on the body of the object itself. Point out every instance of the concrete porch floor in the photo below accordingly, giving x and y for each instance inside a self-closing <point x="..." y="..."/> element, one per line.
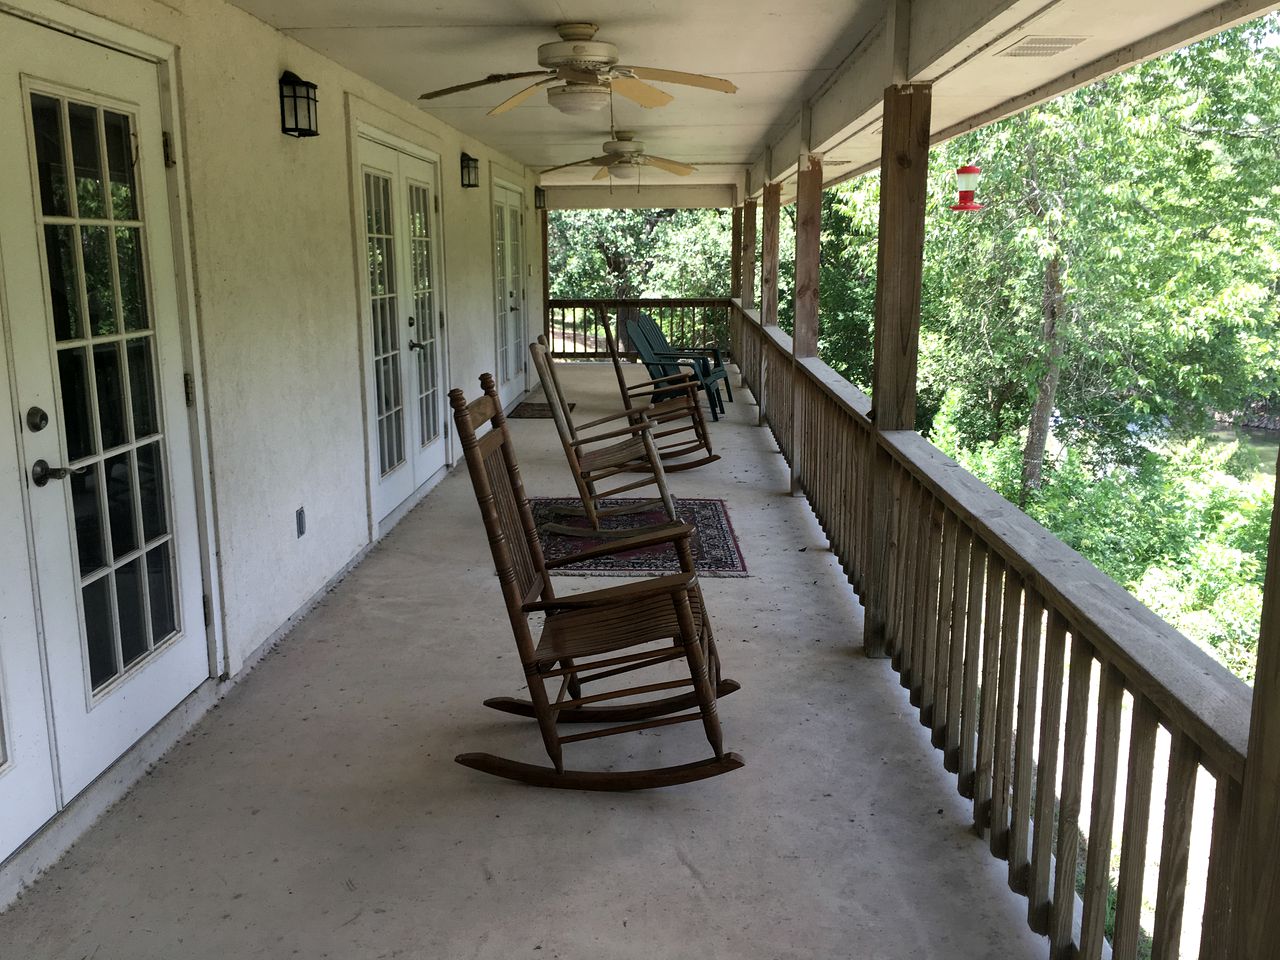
<point x="317" y="811"/>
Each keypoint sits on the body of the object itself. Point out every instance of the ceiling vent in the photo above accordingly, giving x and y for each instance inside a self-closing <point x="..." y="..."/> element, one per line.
<point x="1041" y="46"/>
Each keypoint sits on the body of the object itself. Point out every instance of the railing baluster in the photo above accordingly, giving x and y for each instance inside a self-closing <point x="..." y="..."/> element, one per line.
<point x="955" y="668"/>
<point x="922" y="690"/>
<point x="1006" y="709"/>
<point x="1024" y="740"/>
<point x="1215" y="931"/>
<point x="970" y="714"/>
<point x="1135" y="827"/>
<point x="1175" y="845"/>
<point x="1062" y="921"/>
<point x="942" y="630"/>
<point x="992" y="631"/>
<point x="1055" y="652"/>
<point x="1102" y="810"/>
<point x="913" y="523"/>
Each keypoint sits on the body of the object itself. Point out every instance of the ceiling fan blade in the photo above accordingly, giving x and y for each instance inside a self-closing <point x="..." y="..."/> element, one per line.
<point x="604" y="172"/>
<point x="679" y="76"/>
<point x="579" y="163"/>
<point x="671" y="166"/>
<point x="492" y="78"/>
<point x="640" y="92"/>
<point x="516" y="99"/>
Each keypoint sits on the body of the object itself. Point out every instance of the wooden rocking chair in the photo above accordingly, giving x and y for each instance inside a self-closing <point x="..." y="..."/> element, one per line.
<point x="588" y="637"/>
<point x="671" y="405"/>
<point x="626" y="448"/>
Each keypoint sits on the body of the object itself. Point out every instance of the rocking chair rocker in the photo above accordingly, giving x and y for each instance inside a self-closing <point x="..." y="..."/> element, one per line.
<point x="609" y="632"/>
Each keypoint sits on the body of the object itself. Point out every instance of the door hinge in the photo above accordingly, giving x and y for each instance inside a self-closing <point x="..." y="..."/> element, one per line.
<point x="189" y="389"/>
<point x="166" y="142"/>
<point x="208" y="610"/>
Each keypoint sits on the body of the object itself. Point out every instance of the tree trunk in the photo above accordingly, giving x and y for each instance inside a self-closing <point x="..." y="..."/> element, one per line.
<point x="1047" y="389"/>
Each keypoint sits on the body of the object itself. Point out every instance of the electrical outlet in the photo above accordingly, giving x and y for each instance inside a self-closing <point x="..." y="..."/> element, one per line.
<point x="300" y="517"/>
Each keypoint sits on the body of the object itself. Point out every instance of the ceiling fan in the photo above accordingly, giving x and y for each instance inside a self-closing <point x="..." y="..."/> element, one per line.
<point x="579" y="73"/>
<point x="623" y="157"/>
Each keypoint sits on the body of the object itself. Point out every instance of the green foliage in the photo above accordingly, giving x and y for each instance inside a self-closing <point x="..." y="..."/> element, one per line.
<point x="638" y="253"/>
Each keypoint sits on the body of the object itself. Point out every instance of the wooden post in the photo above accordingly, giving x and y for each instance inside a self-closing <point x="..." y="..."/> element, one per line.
<point x="904" y="182"/>
<point x="735" y="254"/>
<point x="808" y="255"/>
<point x="546" y="278"/>
<point x="749" y="255"/>
<point x="1255" y="916"/>
<point x="769" y="255"/>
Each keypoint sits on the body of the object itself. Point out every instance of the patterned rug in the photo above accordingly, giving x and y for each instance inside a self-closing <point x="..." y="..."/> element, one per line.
<point x="533" y="410"/>
<point x="715" y="546"/>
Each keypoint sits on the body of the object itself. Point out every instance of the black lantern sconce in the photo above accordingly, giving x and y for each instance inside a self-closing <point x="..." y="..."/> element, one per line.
<point x="298" y="114"/>
<point x="539" y="198"/>
<point x="470" y="171"/>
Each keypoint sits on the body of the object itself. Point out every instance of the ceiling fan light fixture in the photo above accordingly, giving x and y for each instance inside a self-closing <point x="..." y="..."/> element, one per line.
<point x="576" y="99"/>
<point x="625" y="171"/>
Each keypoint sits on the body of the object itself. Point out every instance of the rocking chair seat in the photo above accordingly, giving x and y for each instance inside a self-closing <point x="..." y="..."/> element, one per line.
<point x="614" y="455"/>
<point x="597" y="630"/>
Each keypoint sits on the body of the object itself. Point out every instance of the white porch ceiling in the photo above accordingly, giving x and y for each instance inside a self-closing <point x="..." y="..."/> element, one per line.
<point x="825" y="60"/>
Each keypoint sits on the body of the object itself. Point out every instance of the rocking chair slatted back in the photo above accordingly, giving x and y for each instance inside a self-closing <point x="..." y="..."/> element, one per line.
<point x="504" y="507"/>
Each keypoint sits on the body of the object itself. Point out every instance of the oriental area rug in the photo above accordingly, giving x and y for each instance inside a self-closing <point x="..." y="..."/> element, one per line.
<point x="715" y="546"/>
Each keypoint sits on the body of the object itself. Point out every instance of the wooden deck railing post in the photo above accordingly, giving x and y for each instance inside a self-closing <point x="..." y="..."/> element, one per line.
<point x="769" y="255"/>
<point x="1255" y="916"/>
<point x="748" y="293"/>
<point x="804" y="339"/>
<point x="904" y="182"/>
<point x="735" y="254"/>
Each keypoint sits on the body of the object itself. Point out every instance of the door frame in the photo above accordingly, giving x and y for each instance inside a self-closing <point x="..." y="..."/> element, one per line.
<point x="55" y="15"/>
<point x="358" y="129"/>
<point x="496" y="182"/>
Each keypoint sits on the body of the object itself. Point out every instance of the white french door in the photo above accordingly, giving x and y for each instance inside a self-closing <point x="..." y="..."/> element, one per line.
<point x="100" y="569"/>
<point x="405" y="319"/>
<point x="509" y="287"/>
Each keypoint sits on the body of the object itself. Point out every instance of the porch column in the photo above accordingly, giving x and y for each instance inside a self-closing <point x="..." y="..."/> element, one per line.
<point x="769" y="255"/>
<point x="748" y="293"/>
<point x="735" y="254"/>
<point x="1255" y="916"/>
<point x="546" y="277"/>
<point x="904" y="180"/>
<point x="808" y="254"/>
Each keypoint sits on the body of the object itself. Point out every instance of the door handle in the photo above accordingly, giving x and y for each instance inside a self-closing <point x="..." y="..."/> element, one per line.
<point x="42" y="473"/>
<point x="416" y="345"/>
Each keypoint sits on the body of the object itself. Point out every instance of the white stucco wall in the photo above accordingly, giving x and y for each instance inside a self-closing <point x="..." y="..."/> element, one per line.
<point x="276" y="295"/>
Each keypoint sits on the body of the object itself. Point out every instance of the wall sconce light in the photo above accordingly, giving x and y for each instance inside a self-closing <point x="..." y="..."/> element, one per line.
<point x="967" y="178"/>
<point x="298" y="114"/>
<point x="470" y="171"/>
<point x="539" y="198"/>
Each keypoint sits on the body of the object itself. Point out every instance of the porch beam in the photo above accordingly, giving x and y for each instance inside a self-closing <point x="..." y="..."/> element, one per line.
<point x="748" y="291"/>
<point x="904" y="183"/>
<point x="808" y="255"/>
<point x="769" y="255"/>
<point x="1255" y="916"/>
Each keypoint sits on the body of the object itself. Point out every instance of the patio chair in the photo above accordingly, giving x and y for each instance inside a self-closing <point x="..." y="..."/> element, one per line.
<point x="671" y="404"/>
<point x="625" y="447"/>
<point x="704" y="364"/>
<point x="588" y="637"/>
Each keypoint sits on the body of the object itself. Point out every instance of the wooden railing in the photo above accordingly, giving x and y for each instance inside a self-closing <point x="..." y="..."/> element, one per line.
<point x="574" y="328"/>
<point x="1024" y="661"/>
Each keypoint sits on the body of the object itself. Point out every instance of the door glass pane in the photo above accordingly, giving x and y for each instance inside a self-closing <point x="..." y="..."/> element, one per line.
<point x="109" y="392"/>
<point x="384" y="313"/>
<point x="77" y="412"/>
<point x="86" y="158"/>
<point x="124" y="203"/>
<point x="100" y="631"/>
<point x="428" y="392"/>
<point x="132" y="604"/>
<point x="109" y="373"/>
<point x="51" y="157"/>
<point x="96" y="245"/>
<point x="515" y="280"/>
<point x="64" y="281"/>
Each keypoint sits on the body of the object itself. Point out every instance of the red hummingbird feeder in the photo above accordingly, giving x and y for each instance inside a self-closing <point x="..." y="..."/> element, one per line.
<point x="967" y="178"/>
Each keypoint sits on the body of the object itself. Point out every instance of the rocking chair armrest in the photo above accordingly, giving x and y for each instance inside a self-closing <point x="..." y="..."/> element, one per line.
<point x="634" y="430"/>
<point x="613" y="416"/>
<point x="700" y="352"/>
<point x="670" y="380"/>
<point x="664" y="534"/>
<point x="610" y="596"/>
